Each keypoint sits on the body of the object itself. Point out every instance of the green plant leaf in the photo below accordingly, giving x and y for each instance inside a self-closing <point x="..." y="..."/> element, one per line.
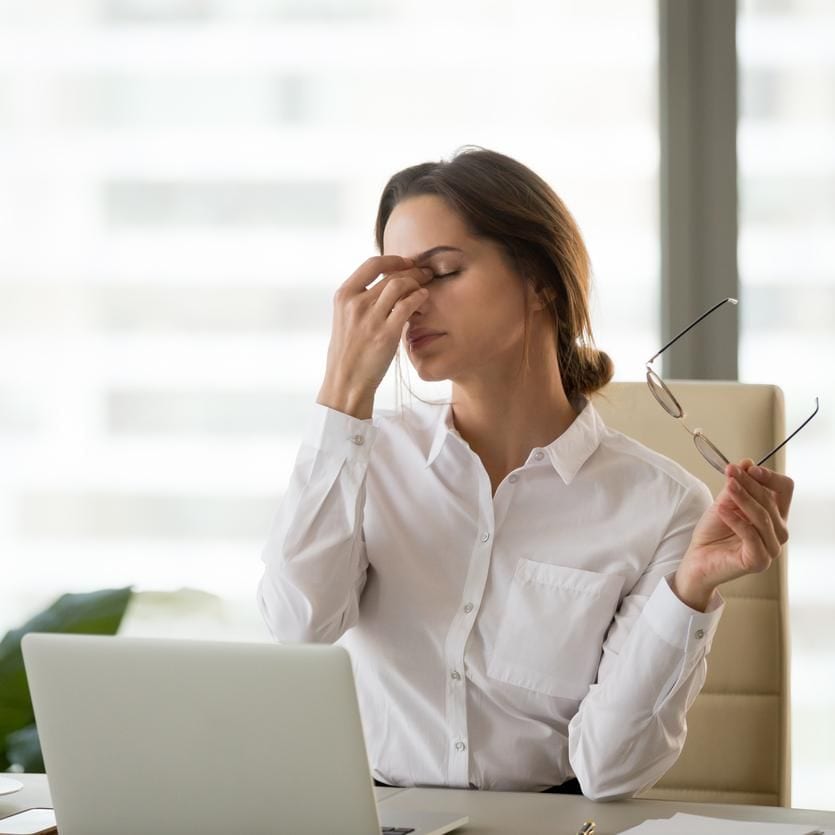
<point x="95" y="613"/>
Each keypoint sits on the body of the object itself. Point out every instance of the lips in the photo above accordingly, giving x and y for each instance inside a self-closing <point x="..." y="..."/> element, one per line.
<point x="423" y="341"/>
<point x="418" y="333"/>
<point x="418" y="344"/>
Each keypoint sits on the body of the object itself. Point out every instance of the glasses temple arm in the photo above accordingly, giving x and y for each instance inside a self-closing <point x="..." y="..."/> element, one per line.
<point x="691" y="325"/>
<point x="763" y="460"/>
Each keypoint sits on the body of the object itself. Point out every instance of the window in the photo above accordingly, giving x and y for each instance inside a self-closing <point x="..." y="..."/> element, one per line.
<point x="183" y="186"/>
<point x="786" y="149"/>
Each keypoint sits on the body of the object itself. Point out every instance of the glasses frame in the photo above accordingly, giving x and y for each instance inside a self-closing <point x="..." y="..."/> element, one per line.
<point x="673" y="408"/>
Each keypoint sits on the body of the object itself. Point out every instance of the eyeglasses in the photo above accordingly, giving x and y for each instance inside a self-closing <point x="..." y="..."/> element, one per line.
<point x="665" y="397"/>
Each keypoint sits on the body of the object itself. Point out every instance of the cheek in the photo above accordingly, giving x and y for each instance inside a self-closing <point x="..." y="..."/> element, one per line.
<point x="480" y="317"/>
<point x="487" y="335"/>
<point x="499" y="317"/>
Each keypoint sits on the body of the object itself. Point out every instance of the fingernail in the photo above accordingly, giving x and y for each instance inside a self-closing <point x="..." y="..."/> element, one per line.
<point x="734" y="470"/>
<point x="756" y="471"/>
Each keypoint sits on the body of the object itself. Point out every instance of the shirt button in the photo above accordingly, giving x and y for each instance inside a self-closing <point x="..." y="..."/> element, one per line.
<point x="459" y="746"/>
<point x="700" y="633"/>
<point x="539" y="455"/>
<point x="358" y="440"/>
<point x="456" y="676"/>
<point x="485" y="537"/>
<point x="513" y="479"/>
<point x="468" y="608"/>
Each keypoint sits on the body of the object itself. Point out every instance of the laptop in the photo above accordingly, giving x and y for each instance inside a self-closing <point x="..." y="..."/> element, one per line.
<point x="145" y="736"/>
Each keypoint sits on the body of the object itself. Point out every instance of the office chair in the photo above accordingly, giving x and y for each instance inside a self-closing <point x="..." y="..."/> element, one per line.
<point x="737" y="748"/>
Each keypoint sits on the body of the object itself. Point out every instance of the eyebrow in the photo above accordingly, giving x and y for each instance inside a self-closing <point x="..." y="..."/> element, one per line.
<point x="436" y="249"/>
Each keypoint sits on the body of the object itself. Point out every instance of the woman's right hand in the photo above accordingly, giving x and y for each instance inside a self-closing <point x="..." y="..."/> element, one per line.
<point x="366" y="330"/>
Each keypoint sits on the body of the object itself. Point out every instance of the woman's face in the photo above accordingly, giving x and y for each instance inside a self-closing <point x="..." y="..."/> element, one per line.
<point x="479" y="309"/>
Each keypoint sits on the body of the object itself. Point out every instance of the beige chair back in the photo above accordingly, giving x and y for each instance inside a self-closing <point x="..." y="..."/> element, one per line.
<point x="737" y="748"/>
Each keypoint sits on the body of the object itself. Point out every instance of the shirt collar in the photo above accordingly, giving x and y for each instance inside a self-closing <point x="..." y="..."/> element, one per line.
<point x="566" y="453"/>
<point x="444" y="427"/>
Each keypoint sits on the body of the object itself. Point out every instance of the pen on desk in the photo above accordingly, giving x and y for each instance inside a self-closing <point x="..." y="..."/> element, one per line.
<point x="587" y="828"/>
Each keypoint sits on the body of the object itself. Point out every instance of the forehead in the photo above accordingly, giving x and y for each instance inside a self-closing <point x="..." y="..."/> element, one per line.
<point x="422" y="223"/>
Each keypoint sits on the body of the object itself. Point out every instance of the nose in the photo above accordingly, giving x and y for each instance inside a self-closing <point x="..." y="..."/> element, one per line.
<point x="420" y="307"/>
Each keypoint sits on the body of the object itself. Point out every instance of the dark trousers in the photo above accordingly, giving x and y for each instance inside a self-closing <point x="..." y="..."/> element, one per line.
<point x="568" y="787"/>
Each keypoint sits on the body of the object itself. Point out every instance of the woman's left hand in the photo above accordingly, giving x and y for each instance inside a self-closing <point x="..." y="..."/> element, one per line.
<point x="742" y="532"/>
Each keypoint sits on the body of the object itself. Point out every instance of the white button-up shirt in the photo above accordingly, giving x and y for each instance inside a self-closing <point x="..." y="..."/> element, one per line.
<point x="506" y="641"/>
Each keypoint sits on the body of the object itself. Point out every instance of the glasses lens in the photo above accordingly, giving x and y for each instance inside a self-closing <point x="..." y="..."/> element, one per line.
<point x="709" y="451"/>
<point x="663" y="395"/>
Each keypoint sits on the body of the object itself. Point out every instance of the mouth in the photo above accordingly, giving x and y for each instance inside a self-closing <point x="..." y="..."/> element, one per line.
<point x="417" y="344"/>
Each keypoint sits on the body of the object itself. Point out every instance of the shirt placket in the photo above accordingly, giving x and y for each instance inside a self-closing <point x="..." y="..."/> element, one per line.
<point x="458" y="769"/>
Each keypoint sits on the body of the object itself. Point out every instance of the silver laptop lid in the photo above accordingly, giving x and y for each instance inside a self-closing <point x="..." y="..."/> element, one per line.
<point x="147" y="736"/>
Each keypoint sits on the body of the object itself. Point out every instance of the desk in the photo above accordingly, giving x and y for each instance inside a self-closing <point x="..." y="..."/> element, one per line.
<point x="501" y="813"/>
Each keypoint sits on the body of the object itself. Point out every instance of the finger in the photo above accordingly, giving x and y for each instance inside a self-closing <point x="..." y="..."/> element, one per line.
<point x="406" y="306"/>
<point x="391" y="288"/>
<point x="739" y="471"/>
<point x="752" y="542"/>
<point x="371" y="268"/>
<point x="756" y="514"/>
<point x="767" y="498"/>
<point x="782" y="486"/>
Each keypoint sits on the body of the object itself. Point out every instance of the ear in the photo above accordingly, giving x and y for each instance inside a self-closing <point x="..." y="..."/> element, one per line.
<point x="540" y="299"/>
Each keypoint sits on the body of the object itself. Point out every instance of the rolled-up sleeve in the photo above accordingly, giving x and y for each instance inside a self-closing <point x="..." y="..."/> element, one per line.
<point x="315" y="558"/>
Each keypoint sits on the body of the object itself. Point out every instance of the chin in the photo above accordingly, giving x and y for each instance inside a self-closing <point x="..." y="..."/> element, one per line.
<point x="432" y="378"/>
<point x="427" y="373"/>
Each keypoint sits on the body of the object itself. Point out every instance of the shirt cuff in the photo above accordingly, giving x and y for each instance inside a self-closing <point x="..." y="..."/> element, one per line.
<point x="330" y="430"/>
<point x="679" y="625"/>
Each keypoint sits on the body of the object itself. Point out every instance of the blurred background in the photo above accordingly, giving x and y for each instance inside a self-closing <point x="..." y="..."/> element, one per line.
<point x="184" y="184"/>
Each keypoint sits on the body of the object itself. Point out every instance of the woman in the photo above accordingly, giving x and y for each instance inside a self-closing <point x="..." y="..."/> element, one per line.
<point x="528" y="597"/>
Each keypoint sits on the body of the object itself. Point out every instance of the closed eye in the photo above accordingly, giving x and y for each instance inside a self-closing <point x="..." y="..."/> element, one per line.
<point x="446" y="275"/>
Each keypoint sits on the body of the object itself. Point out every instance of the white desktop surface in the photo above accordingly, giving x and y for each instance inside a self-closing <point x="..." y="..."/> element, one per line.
<point x="492" y="813"/>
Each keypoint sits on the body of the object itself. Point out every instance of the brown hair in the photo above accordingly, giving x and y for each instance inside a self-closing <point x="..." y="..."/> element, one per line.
<point x="502" y="200"/>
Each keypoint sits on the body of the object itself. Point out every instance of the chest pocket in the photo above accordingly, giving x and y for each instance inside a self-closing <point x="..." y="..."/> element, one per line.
<point x="552" y="629"/>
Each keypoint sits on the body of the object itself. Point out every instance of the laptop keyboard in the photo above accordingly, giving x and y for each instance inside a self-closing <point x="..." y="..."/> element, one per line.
<point x="396" y="830"/>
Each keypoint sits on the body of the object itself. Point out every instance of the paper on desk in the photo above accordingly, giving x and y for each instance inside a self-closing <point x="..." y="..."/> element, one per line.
<point x="682" y="824"/>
